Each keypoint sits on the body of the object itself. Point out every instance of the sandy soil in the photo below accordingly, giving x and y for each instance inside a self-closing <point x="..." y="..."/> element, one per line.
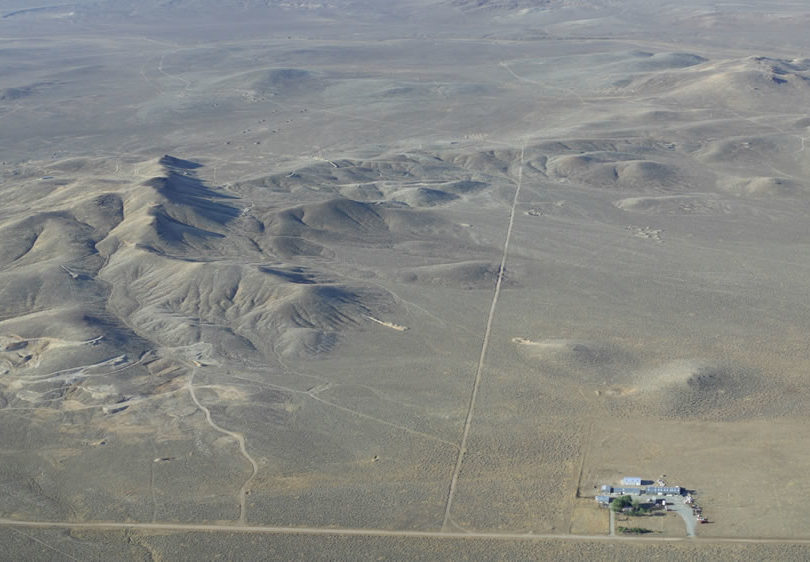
<point x="434" y="265"/>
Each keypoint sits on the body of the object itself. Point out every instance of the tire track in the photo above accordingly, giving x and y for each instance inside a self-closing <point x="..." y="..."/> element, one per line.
<point x="347" y="532"/>
<point x="46" y="545"/>
<point x="482" y="358"/>
<point x="240" y="440"/>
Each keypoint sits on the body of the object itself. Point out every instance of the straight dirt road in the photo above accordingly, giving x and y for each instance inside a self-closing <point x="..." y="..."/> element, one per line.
<point x="261" y="529"/>
<point x="485" y="344"/>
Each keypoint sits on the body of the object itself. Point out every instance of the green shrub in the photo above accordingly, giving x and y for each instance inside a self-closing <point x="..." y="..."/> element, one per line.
<point x="633" y="530"/>
<point x="621" y="502"/>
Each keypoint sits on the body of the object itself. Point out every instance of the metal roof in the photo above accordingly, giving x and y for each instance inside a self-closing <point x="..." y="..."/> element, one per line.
<point x="664" y="490"/>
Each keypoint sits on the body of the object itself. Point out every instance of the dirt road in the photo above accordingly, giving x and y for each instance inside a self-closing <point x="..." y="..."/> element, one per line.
<point x="484" y="346"/>
<point x="262" y="529"/>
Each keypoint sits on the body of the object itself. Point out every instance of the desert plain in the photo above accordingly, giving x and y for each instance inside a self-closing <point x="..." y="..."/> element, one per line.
<point x="368" y="280"/>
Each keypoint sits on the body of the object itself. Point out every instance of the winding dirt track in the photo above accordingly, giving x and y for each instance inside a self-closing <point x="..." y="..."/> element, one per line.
<point x="240" y="440"/>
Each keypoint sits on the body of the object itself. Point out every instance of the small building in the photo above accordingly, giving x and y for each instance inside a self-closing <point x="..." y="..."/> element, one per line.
<point x="665" y="490"/>
<point x="603" y="501"/>
<point x="631" y="481"/>
<point x="606" y="488"/>
<point x="628" y="491"/>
